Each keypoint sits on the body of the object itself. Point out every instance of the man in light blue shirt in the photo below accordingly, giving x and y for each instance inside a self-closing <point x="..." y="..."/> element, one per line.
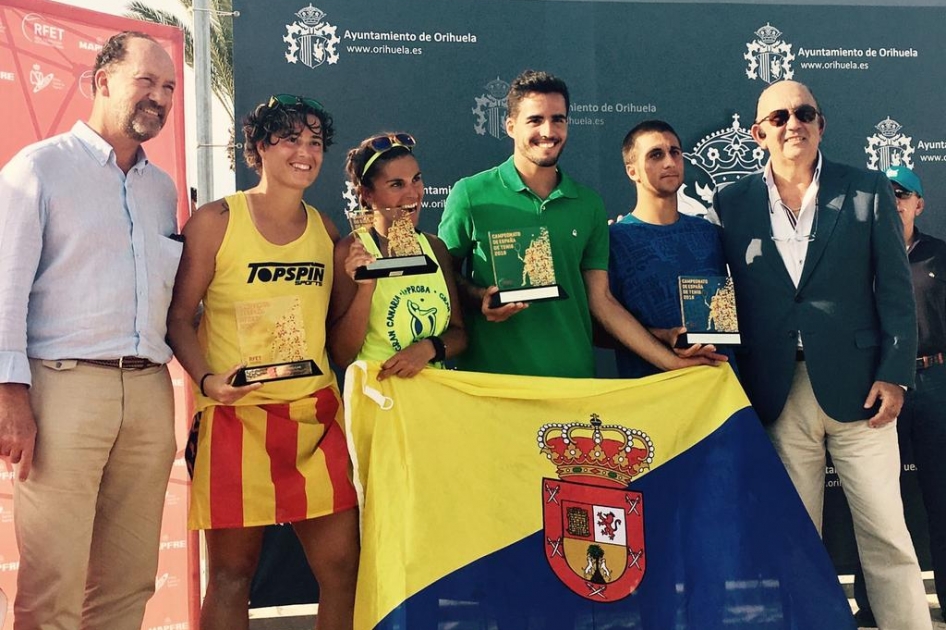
<point x="86" y="404"/>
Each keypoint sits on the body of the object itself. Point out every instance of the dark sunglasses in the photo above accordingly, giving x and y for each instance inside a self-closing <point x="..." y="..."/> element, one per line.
<point x="291" y="100"/>
<point x="804" y="113"/>
<point x="382" y="144"/>
<point x="902" y="193"/>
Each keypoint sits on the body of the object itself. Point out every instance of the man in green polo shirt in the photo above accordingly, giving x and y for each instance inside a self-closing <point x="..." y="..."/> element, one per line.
<point x="548" y="338"/>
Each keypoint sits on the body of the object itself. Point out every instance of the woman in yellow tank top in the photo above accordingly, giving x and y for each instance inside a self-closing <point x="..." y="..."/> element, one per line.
<point x="405" y="323"/>
<point x="271" y="451"/>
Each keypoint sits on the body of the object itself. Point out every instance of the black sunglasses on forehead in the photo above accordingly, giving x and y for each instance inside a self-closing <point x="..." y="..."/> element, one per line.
<point x="291" y="100"/>
<point x="779" y="117"/>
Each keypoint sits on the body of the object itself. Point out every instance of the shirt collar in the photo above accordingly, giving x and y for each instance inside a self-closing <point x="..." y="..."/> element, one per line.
<point x="101" y="150"/>
<point x="513" y="181"/>
<point x="810" y="198"/>
<point x="770" y="180"/>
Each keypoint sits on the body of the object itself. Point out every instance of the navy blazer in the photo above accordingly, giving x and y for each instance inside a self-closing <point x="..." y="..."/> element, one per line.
<point x="854" y="305"/>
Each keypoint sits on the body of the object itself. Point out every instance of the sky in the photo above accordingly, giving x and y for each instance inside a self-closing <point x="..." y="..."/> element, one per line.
<point x="223" y="177"/>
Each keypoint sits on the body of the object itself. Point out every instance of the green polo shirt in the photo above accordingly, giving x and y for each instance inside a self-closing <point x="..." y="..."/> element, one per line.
<point x="550" y="338"/>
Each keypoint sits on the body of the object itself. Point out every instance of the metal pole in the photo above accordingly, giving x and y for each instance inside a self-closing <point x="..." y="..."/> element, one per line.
<point x="203" y="97"/>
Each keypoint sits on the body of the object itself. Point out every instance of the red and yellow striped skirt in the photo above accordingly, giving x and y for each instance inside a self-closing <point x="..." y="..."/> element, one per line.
<point x="266" y="464"/>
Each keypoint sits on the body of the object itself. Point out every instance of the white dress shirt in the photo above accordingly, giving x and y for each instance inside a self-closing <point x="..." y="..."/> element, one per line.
<point x="86" y="262"/>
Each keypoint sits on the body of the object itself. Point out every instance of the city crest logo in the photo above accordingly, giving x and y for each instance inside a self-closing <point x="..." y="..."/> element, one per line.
<point x="721" y="158"/>
<point x="490" y="110"/>
<point x="888" y="147"/>
<point x="770" y="59"/>
<point x="594" y="525"/>
<point x="311" y="40"/>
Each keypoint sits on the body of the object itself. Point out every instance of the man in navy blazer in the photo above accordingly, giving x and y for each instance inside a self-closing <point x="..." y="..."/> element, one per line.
<point x="828" y="323"/>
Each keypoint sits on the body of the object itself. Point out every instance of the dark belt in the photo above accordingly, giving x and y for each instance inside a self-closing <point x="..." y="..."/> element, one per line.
<point x="124" y="363"/>
<point x="799" y="355"/>
<point x="929" y="361"/>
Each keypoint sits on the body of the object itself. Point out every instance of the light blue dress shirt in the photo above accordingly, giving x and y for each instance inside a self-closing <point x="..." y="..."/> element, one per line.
<point x="86" y="262"/>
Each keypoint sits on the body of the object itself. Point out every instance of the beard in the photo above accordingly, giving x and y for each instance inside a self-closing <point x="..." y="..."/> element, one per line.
<point x="142" y="127"/>
<point x="540" y="157"/>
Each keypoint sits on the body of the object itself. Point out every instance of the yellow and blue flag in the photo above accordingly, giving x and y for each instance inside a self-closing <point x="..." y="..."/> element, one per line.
<point x="512" y="502"/>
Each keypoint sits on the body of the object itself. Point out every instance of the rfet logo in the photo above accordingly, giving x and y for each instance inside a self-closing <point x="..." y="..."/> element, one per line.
<point x="38" y="31"/>
<point x="594" y="525"/>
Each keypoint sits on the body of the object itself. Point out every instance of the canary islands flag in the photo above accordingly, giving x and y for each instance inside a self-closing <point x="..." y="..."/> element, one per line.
<point x="518" y="503"/>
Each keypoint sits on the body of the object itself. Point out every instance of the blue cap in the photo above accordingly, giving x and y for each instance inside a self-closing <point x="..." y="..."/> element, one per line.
<point x="906" y="178"/>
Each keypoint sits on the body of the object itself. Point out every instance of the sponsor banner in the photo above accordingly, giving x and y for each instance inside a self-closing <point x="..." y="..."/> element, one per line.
<point x="443" y="76"/>
<point x="47" y="52"/>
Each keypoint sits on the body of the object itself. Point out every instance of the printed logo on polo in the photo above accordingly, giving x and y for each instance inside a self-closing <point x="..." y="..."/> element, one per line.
<point x="311" y="39"/>
<point x="490" y="110"/>
<point x="770" y="59"/>
<point x="721" y="158"/>
<point x="38" y="31"/>
<point x="888" y="147"/>
<point x="296" y="273"/>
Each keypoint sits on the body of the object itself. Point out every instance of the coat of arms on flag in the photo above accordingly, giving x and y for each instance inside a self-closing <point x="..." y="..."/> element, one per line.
<point x="594" y="526"/>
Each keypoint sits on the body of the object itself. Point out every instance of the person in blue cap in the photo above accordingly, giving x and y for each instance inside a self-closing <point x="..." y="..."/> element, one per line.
<point x="922" y="424"/>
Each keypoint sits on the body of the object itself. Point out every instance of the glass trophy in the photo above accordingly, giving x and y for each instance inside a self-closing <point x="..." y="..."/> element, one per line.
<point x="708" y="310"/>
<point x="272" y="341"/>
<point x="523" y="267"/>
<point x="405" y="256"/>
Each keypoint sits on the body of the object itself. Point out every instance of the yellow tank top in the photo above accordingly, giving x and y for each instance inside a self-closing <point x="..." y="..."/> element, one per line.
<point x="267" y="304"/>
<point x="404" y="309"/>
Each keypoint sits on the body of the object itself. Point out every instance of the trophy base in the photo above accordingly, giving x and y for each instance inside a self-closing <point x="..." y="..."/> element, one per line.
<point x="275" y="372"/>
<point x="719" y="339"/>
<point x="396" y="266"/>
<point x="529" y="294"/>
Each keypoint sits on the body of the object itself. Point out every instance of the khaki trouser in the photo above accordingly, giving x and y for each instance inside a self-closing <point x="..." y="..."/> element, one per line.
<point x="88" y="519"/>
<point x="868" y="464"/>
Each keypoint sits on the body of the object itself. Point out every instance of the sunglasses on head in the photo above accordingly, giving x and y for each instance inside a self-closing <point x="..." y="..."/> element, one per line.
<point x="804" y="113"/>
<point x="382" y="144"/>
<point x="903" y="193"/>
<point x="291" y="100"/>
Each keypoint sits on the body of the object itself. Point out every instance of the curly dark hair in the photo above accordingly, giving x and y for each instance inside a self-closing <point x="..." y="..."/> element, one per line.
<point x="115" y="49"/>
<point x="533" y="81"/>
<point x="272" y="121"/>
<point x="359" y="156"/>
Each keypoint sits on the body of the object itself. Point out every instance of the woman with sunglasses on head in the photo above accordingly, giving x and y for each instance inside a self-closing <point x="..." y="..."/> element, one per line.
<point x="274" y="451"/>
<point x="405" y="323"/>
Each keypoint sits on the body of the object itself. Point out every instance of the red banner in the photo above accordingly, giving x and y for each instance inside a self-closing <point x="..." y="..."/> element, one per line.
<point x="47" y="52"/>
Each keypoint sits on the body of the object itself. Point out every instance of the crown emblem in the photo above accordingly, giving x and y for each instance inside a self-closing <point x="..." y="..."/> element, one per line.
<point x="768" y="34"/>
<point x="310" y="15"/>
<point x="888" y="127"/>
<point x="497" y="88"/>
<point x="609" y="453"/>
<point x="726" y="155"/>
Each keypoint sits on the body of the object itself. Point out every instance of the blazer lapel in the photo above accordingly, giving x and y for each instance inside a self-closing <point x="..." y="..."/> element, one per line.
<point x="832" y="190"/>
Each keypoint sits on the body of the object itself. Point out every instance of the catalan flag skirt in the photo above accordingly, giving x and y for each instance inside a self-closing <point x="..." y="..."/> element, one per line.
<point x="523" y="503"/>
<point x="267" y="464"/>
